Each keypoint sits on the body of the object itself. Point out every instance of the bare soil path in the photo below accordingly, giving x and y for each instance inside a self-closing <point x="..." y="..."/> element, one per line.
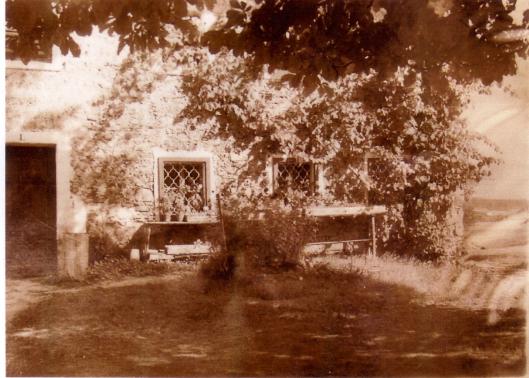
<point x="21" y="293"/>
<point x="289" y="324"/>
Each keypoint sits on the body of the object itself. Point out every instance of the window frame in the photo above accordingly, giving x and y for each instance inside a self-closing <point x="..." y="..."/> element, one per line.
<point x="203" y="172"/>
<point x="316" y="172"/>
<point x="204" y="157"/>
<point x="37" y="65"/>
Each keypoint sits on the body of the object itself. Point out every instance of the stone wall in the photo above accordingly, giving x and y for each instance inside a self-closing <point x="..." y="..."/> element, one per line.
<point x="110" y="167"/>
<point x="112" y="142"/>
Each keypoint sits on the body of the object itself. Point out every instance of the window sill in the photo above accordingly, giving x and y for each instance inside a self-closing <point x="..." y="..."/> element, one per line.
<point x="34" y="65"/>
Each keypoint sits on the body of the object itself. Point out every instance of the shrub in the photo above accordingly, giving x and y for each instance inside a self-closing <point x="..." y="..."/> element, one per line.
<point x="218" y="266"/>
<point x="274" y="241"/>
<point x="268" y="240"/>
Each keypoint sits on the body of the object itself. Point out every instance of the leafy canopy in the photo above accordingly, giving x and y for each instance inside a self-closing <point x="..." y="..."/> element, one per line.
<point x="309" y="38"/>
<point x="140" y="25"/>
<point x="423" y="150"/>
<point x="387" y="74"/>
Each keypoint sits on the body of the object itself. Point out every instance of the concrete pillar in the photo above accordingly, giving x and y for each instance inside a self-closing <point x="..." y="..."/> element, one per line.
<point x="72" y="252"/>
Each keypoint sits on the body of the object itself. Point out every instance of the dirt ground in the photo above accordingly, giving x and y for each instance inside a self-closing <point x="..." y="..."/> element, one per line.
<point x="287" y="324"/>
<point x="282" y="325"/>
<point x="22" y="293"/>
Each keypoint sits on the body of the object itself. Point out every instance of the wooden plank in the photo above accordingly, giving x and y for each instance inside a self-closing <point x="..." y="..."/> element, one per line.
<point x="134" y="254"/>
<point x="159" y="257"/>
<point x="209" y="220"/>
<point x="334" y="211"/>
<point x="188" y="249"/>
<point x="311" y="249"/>
<point x="332" y="246"/>
<point x="340" y="241"/>
<point x="331" y="211"/>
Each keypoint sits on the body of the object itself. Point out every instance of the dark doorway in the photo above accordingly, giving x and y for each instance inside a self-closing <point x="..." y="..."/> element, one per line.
<point x="31" y="215"/>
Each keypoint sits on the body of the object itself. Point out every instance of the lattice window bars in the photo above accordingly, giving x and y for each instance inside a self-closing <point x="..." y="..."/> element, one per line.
<point x="184" y="184"/>
<point x="294" y="175"/>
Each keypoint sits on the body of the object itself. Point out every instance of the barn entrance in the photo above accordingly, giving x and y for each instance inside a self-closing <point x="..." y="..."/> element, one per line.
<point x="31" y="211"/>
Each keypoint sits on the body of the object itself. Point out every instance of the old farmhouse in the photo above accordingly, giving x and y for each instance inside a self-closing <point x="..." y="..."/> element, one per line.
<point x="85" y="174"/>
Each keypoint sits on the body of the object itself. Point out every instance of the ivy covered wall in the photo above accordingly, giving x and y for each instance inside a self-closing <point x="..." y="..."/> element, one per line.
<point x="115" y="117"/>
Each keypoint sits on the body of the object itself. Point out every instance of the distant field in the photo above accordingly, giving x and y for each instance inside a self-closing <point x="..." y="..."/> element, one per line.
<point x="498" y="204"/>
<point x="497" y="233"/>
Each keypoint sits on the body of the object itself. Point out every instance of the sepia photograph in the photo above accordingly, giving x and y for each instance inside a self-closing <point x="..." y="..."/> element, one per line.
<point x="266" y="188"/>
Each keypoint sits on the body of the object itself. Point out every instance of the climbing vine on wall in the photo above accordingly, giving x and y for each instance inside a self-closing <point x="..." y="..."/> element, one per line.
<point x="414" y="129"/>
<point x="109" y="161"/>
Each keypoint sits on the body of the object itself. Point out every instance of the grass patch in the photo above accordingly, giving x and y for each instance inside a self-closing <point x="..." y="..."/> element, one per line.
<point x="114" y="268"/>
<point x="310" y="323"/>
<point x="465" y="286"/>
<point x="118" y="268"/>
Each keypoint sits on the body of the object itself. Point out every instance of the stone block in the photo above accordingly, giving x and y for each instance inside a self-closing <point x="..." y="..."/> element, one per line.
<point x="72" y="252"/>
<point x="134" y="254"/>
<point x="160" y="257"/>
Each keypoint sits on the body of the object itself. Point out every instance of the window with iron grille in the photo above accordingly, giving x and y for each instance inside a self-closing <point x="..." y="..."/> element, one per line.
<point x="294" y="175"/>
<point x="182" y="184"/>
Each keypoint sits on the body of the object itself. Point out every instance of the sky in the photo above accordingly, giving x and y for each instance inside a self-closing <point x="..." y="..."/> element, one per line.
<point x="503" y="116"/>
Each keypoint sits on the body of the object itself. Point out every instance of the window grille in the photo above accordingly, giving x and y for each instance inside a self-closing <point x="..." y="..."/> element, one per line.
<point x="294" y="175"/>
<point x="183" y="184"/>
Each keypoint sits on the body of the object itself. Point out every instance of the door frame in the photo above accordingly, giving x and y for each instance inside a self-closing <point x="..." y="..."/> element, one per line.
<point x="63" y="171"/>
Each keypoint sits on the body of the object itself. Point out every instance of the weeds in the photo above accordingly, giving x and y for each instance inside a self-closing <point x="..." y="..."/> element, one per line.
<point x="112" y="268"/>
<point x="218" y="266"/>
<point x="272" y="240"/>
<point x="460" y="285"/>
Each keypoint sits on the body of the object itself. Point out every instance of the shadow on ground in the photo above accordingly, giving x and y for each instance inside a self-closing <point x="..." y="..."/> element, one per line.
<point x="288" y="324"/>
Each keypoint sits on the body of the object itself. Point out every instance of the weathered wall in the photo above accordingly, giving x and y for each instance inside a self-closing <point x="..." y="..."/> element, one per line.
<point x="112" y="133"/>
<point x="115" y="164"/>
<point x="57" y="96"/>
<point x="48" y="104"/>
<point x="109" y="169"/>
